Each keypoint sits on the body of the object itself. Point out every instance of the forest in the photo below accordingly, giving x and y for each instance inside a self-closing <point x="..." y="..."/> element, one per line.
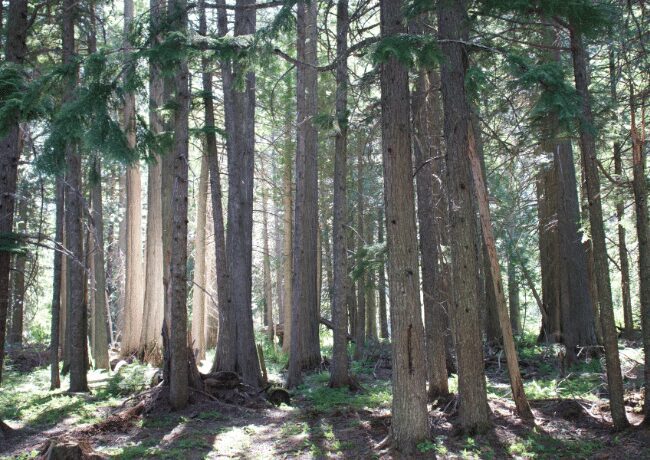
<point x="278" y="229"/>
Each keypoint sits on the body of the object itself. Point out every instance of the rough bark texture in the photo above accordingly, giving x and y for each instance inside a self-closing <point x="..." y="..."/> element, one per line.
<point x="55" y="379"/>
<point x="426" y="115"/>
<point x="150" y="348"/>
<point x="589" y="160"/>
<point x="305" y="345"/>
<point x="10" y="147"/>
<point x="266" y="268"/>
<point x="643" y="235"/>
<point x="339" y="375"/>
<point x="287" y="251"/>
<point x="240" y="207"/>
<point x="178" y="359"/>
<point x="381" y="284"/>
<point x="200" y="279"/>
<point x="99" y="324"/>
<point x="453" y="26"/>
<point x="513" y="297"/>
<point x="362" y="281"/>
<point x="134" y="270"/>
<point x="410" y="424"/>
<point x="226" y="357"/>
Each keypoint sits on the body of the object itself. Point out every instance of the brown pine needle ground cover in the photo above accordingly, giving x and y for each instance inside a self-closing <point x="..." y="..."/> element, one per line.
<point x="572" y="419"/>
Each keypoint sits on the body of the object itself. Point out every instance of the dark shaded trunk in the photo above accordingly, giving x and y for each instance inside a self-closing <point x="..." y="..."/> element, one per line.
<point x="513" y="296"/>
<point x="427" y="123"/>
<point x="339" y="375"/>
<point x="55" y="380"/>
<point x="305" y="346"/>
<point x="452" y="27"/>
<point x="409" y="424"/>
<point x="381" y="282"/>
<point x="362" y="280"/>
<point x="589" y="161"/>
<point x="10" y="149"/>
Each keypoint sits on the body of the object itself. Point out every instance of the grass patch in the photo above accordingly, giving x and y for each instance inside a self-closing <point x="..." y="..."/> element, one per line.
<point x="377" y="395"/>
<point x="543" y="446"/>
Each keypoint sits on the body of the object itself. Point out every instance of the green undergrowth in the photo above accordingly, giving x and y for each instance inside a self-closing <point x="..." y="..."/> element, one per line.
<point x="26" y="399"/>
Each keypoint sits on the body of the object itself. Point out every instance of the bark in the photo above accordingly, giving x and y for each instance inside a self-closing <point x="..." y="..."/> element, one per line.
<point x="473" y="408"/>
<point x="628" y="321"/>
<point x="15" y="336"/>
<point x="134" y="275"/>
<point x="513" y="296"/>
<point x="10" y="149"/>
<point x="150" y="347"/>
<point x="640" y="187"/>
<point x="240" y="207"/>
<point x="426" y="119"/>
<point x="362" y="281"/>
<point x="287" y="252"/>
<point x="383" y="315"/>
<point x="305" y="346"/>
<point x="409" y="424"/>
<point x="55" y="379"/>
<point x="339" y="375"/>
<point x="268" y="286"/>
<point x="277" y="251"/>
<point x="99" y="324"/>
<point x="178" y="350"/>
<point x="589" y="160"/>
<point x="226" y="355"/>
<point x="200" y="279"/>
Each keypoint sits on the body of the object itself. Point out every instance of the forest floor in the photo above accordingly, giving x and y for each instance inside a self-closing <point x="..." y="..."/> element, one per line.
<point x="570" y="410"/>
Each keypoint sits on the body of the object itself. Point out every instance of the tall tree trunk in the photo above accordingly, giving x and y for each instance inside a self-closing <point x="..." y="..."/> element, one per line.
<point x="15" y="336"/>
<point x="362" y="281"/>
<point x="339" y="375"/>
<point x="10" y="149"/>
<point x="639" y="184"/>
<point x="277" y="251"/>
<point x="77" y="319"/>
<point x="620" y="213"/>
<point x="287" y="223"/>
<point x="589" y="160"/>
<point x="150" y="348"/>
<point x="57" y="281"/>
<point x="240" y="205"/>
<point x="226" y="355"/>
<point x="305" y="346"/>
<point x="178" y="367"/>
<point x="513" y="296"/>
<point x="134" y="276"/>
<point x="426" y="118"/>
<point x="452" y="27"/>
<point x="410" y="424"/>
<point x="383" y="314"/>
<point x="200" y="279"/>
<point x="99" y="324"/>
<point x="266" y="263"/>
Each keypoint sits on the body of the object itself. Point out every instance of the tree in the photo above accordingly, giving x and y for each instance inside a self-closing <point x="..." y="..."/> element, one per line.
<point x="453" y="30"/>
<point x="339" y="375"/>
<point x="200" y="277"/>
<point x="592" y="180"/>
<point x="305" y="346"/>
<point x="15" y="336"/>
<point x="134" y="276"/>
<point x="266" y="269"/>
<point x="410" y="423"/>
<point x="10" y="149"/>
<point x="57" y="282"/>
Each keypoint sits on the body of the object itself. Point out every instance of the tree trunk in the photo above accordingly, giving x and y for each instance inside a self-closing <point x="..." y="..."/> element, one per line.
<point x="178" y="367"/>
<point x="134" y="276"/>
<point x="426" y="119"/>
<point x="362" y="281"/>
<point x="339" y="375"/>
<point x="287" y="252"/>
<point x="589" y="160"/>
<point x="409" y="424"/>
<point x="226" y="355"/>
<point x="266" y="263"/>
<point x="150" y="348"/>
<point x="452" y="26"/>
<point x="383" y="314"/>
<point x="639" y="184"/>
<point x="55" y="380"/>
<point x="200" y="279"/>
<point x="305" y="346"/>
<point x="240" y="206"/>
<point x="513" y="296"/>
<point x="99" y="317"/>
<point x="10" y="149"/>
<point x="18" y="280"/>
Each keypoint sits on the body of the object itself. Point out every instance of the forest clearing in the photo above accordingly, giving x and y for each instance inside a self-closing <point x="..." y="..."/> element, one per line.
<point x="324" y="229"/>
